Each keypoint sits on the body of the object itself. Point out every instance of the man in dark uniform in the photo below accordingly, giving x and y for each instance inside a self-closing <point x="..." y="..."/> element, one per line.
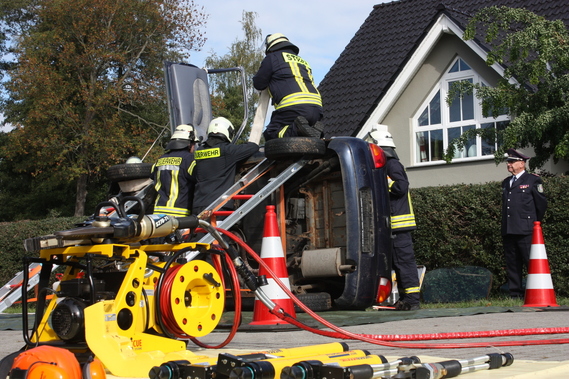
<point x="216" y="164"/>
<point x="402" y="223"/>
<point x="171" y="174"/>
<point x="297" y="102"/>
<point x="523" y="202"/>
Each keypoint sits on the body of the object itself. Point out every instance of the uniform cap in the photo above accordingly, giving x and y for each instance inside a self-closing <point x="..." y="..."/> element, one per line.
<point x="512" y="154"/>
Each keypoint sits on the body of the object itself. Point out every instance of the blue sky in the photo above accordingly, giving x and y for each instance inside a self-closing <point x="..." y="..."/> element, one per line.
<point x="320" y="28"/>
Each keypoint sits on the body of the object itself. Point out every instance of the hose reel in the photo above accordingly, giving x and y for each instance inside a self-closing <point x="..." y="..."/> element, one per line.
<point x="192" y="299"/>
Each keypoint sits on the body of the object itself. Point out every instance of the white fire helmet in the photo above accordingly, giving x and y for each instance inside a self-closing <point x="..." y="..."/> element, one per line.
<point x="183" y="136"/>
<point x="380" y="136"/>
<point x="221" y="125"/>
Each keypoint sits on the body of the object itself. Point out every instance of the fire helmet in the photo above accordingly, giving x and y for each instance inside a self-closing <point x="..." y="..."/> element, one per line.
<point x="223" y="126"/>
<point x="183" y="136"/>
<point x="380" y="136"/>
<point x="46" y="362"/>
<point x="133" y="160"/>
<point x="278" y="41"/>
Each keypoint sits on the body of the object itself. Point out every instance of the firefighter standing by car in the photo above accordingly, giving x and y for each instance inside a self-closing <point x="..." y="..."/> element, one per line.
<point x="297" y="102"/>
<point x="402" y="223"/>
<point x="171" y="174"/>
<point x="216" y="163"/>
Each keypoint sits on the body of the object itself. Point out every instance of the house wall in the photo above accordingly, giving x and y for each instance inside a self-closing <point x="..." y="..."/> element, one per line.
<point x="399" y="121"/>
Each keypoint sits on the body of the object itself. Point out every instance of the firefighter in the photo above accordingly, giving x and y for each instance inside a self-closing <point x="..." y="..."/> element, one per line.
<point x="171" y="174"/>
<point x="297" y="102"/>
<point x="402" y="223"/>
<point x="523" y="202"/>
<point x="216" y="163"/>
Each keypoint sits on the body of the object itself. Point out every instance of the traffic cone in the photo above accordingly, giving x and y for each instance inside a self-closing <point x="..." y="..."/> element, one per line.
<point x="272" y="254"/>
<point x="539" y="287"/>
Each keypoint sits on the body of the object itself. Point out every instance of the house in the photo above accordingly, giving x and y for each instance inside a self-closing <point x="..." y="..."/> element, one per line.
<point x="396" y="71"/>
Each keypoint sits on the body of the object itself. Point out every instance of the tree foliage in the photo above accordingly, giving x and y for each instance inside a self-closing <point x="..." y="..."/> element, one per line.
<point x="87" y="87"/>
<point x="535" y="87"/>
<point x="227" y="99"/>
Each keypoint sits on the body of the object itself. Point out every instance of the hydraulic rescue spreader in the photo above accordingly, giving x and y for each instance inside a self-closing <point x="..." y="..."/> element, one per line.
<point x="130" y="303"/>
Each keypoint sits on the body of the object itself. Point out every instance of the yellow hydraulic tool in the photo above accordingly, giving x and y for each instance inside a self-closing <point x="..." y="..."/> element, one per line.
<point x="130" y="304"/>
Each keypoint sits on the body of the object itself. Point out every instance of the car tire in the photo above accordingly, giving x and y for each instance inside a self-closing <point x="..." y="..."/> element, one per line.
<point x="294" y="147"/>
<point x="129" y="171"/>
<point x="315" y="301"/>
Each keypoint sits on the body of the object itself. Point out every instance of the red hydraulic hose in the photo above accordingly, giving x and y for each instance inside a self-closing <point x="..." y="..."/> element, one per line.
<point x="383" y="339"/>
<point x="169" y="320"/>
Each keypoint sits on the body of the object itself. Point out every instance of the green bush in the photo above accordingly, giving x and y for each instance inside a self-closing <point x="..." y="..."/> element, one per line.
<point x="459" y="225"/>
<point x="13" y="234"/>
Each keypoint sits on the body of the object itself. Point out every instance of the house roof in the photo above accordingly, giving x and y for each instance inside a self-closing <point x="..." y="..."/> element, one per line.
<point x="372" y="60"/>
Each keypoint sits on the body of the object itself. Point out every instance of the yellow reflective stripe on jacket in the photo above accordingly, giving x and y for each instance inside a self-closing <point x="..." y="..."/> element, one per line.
<point x="300" y="98"/>
<point x="283" y="130"/>
<point x="293" y="61"/>
<point x="404" y="220"/>
<point x="191" y="168"/>
<point x="173" y="196"/>
<point x="171" y="211"/>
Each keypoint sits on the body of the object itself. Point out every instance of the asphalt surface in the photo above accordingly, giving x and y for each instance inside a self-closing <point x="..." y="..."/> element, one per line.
<point x="267" y="337"/>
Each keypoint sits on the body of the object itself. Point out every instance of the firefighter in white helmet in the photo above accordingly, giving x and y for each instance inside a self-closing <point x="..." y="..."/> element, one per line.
<point x="402" y="222"/>
<point x="216" y="163"/>
<point x="297" y="102"/>
<point x="171" y="174"/>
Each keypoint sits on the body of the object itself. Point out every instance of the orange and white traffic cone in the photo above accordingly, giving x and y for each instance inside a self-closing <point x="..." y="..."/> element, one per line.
<point x="539" y="286"/>
<point x="272" y="254"/>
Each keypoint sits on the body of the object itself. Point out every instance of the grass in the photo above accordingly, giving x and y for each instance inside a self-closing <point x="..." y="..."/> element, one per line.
<point x="497" y="301"/>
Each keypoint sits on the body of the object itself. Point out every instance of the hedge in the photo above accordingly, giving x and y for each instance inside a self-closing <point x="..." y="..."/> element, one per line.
<point x="458" y="225"/>
<point x="13" y="234"/>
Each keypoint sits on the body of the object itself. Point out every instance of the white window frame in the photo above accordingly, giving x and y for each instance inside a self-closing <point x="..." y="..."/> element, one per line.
<point x="474" y="152"/>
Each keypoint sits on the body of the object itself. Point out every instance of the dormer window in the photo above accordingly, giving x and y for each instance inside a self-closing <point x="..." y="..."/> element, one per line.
<point x="437" y="123"/>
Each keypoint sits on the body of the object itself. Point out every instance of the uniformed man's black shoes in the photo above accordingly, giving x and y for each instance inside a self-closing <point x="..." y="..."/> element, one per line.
<point x="304" y="129"/>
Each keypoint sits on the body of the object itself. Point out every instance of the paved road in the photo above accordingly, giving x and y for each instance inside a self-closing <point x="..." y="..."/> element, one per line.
<point x="255" y="339"/>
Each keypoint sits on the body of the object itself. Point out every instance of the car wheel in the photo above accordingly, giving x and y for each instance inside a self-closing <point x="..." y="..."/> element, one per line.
<point x="129" y="171"/>
<point x="315" y="301"/>
<point x="294" y="147"/>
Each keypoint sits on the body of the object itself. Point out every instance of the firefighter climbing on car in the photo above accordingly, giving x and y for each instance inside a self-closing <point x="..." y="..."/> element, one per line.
<point x="288" y="77"/>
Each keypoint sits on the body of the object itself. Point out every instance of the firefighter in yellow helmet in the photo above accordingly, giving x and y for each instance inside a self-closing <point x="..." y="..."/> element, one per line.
<point x="297" y="102"/>
<point x="402" y="222"/>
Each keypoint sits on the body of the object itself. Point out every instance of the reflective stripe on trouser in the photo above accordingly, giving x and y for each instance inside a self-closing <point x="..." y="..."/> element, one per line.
<point x="283" y="131"/>
<point x="412" y="290"/>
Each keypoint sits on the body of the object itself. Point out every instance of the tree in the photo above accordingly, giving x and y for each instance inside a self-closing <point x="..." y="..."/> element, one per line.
<point x="227" y="99"/>
<point x="535" y="87"/>
<point x="87" y="87"/>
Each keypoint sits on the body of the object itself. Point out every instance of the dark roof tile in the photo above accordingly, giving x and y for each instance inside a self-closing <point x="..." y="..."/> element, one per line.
<point x="372" y="59"/>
